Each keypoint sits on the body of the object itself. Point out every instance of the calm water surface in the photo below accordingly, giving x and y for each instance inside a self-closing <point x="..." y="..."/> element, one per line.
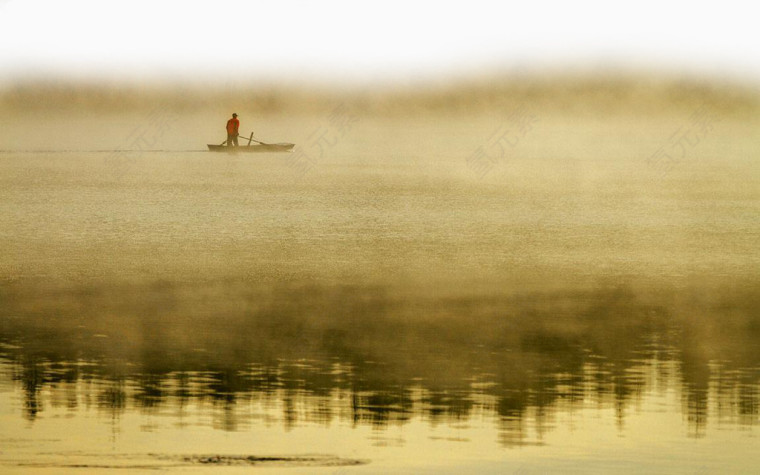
<point x="386" y="308"/>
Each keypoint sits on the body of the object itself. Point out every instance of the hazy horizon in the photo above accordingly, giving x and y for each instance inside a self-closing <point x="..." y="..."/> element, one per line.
<point x="559" y="92"/>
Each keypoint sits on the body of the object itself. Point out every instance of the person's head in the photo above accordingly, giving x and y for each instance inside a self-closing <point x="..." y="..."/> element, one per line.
<point x="234" y="114"/>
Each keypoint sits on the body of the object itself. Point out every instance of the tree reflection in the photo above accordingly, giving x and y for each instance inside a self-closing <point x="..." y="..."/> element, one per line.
<point x="310" y="355"/>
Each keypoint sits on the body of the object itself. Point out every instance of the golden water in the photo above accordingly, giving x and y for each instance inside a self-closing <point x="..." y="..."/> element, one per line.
<point x="382" y="298"/>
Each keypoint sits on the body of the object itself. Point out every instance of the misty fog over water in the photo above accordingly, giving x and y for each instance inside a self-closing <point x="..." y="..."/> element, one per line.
<point x="536" y="276"/>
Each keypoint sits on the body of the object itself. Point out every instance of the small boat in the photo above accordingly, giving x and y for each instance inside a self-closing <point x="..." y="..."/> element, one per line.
<point x="261" y="147"/>
<point x="257" y="147"/>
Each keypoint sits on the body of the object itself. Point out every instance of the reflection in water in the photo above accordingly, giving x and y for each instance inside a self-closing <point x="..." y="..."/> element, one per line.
<point x="364" y="356"/>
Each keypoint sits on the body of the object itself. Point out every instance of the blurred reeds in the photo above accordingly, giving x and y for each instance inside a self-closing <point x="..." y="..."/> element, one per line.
<point x="562" y="93"/>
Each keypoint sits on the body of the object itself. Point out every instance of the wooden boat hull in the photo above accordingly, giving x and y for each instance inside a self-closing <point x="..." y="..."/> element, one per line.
<point x="271" y="147"/>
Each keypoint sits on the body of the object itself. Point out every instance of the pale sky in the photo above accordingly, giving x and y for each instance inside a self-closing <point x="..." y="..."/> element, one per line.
<point x="334" y="40"/>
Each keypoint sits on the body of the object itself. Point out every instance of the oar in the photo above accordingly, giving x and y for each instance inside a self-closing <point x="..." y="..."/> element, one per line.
<point x="257" y="141"/>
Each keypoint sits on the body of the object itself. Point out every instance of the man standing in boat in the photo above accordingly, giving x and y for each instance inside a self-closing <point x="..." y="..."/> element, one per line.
<point x="233" y="125"/>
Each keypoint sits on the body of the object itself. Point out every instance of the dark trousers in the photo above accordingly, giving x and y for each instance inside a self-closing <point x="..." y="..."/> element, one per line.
<point x="232" y="139"/>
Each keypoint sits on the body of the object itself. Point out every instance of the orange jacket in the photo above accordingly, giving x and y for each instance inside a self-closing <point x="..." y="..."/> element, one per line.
<point x="232" y="126"/>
